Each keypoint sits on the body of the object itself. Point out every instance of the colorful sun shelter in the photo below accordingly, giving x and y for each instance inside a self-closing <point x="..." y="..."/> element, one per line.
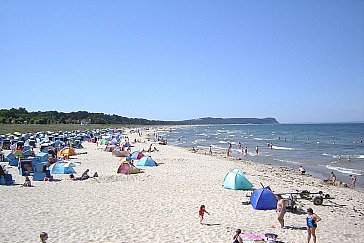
<point x="146" y="161"/>
<point x="67" y="151"/>
<point x="236" y="180"/>
<point x="136" y="155"/>
<point x="127" y="168"/>
<point x="263" y="199"/>
<point x="62" y="168"/>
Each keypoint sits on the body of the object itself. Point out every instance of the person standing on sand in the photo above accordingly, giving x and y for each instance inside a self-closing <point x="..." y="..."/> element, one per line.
<point x="246" y="151"/>
<point x="353" y="181"/>
<point x="311" y="222"/>
<point x="281" y="209"/>
<point x="257" y="150"/>
<point x="229" y="150"/>
<point x="202" y="212"/>
<point x="210" y="150"/>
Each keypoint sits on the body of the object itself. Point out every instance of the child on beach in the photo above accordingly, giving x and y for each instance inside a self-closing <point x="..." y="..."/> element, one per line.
<point x="43" y="237"/>
<point x="202" y="212"/>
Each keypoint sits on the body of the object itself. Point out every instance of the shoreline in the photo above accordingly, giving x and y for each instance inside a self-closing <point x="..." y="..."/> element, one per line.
<point x="222" y="155"/>
<point x="161" y="204"/>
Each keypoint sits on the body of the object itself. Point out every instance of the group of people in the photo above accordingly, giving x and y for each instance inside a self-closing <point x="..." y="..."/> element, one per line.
<point x="332" y="179"/>
<point x="311" y="220"/>
<point x="244" y="150"/>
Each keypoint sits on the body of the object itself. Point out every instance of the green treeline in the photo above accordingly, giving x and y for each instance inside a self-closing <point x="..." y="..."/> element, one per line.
<point x="22" y="116"/>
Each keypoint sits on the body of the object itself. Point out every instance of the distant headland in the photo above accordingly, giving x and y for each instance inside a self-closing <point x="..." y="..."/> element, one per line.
<point x="22" y="116"/>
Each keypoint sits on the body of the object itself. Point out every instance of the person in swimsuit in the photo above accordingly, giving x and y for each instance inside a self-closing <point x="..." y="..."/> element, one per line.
<point x="237" y="238"/>
<point x="202" y="212"/>
<point x="281" y="209"/>
<point x="311" y="222"/>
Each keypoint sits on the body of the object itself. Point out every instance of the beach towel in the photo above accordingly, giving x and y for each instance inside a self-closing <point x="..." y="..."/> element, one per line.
<point x="254" y="237"/>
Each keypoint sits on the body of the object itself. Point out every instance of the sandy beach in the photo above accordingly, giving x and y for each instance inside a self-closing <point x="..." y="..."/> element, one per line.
<point x="161" y="204"/>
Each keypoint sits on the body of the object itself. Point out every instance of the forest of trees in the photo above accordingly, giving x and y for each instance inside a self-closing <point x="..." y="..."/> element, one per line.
<point x="22" y="116"/>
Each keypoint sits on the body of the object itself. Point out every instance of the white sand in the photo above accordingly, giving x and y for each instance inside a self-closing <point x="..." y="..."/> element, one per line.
<point x="161" y="204"/>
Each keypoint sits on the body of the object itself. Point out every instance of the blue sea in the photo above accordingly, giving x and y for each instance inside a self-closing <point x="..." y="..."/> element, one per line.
<point x="319" y="148"/>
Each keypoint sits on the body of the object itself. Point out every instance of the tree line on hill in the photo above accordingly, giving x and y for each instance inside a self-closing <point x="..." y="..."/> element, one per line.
<point x="22" y="116"/>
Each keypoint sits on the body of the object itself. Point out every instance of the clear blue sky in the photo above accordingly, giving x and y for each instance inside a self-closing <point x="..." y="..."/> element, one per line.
<point x="297" y="61"/>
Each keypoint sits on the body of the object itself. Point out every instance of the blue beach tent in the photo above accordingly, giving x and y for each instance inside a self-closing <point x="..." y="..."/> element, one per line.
<point x="62" y="168"/>
<point x="236" y="180"/>
<point x="146" y="161"/>
<point x="263" y="199"/>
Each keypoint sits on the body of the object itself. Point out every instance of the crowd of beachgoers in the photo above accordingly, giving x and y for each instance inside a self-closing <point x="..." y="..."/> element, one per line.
<point x="129" y="185"/>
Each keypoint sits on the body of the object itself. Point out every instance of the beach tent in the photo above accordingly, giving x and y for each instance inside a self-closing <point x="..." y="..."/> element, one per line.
<point x="136" y="155"/>
<point x="236" y="180"/>
<point x="146" y="161"/>
<point x="68" y="151"/>
<point x="62" y="168"/>
<point x="114" y="141"/>
<point x="126" y="168"/>
<point x="263" y="199"/>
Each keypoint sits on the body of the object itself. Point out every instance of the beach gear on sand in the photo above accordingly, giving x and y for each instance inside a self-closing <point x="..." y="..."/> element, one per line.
<point x="263" y="199"/>
<point x="236" y="180"/>
<point x="62" y="168"/>
<point x="127" y="168"/>
<point x="67" y="151"/>
<point x="146" y="161"/>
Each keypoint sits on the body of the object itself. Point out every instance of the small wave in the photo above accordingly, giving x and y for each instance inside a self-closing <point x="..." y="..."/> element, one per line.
<point x="287" y="161"/>
<point x="264" y="139"/>
<point x="360" y="156"/>
<point x="202" y="134"/>
<point x="231" y="135"/>
<point x="330" y="155"/>
<point x="282" y="148"/>
<point x="345" y="170"/>
<point x="222" y="141"/>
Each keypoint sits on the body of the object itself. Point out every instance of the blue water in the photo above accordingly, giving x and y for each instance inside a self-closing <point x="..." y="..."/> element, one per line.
<point x="320" y="148"/>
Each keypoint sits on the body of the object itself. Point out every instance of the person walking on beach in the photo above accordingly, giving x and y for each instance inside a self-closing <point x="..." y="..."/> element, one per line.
<point x="246" y="151"/>
<point x="237" y="238"/>
<point x="281" y="209"/>
<point x="257" y="150"/>
<point x="210" y="150"/>
<point x="202" y="212"/>
<point x="43" y="237"/>
<point x="229" y="150"/>
<point x="353" y="181"/>
<point x="311" y="222"/>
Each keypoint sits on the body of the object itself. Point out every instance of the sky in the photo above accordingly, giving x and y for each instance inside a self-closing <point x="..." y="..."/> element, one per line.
<point x="297" y="61"/>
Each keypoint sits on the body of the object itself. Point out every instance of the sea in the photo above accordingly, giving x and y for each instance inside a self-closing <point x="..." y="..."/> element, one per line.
<point x="319" y="148"/>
